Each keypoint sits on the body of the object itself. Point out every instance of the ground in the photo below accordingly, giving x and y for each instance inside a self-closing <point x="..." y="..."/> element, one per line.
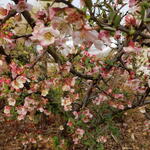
<point x="134" y="134"/>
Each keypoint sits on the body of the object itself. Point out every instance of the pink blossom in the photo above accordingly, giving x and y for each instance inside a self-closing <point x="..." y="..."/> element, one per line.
<point x="7" y="110"/>
<point x="52" y="11"/>
<point x="129" y="104"/>
<point x="41" y="109"/>
<point x="66" y="87"/>
<point x="41" y="14"/>
<point x="120" y="106"/>
<point x="3" y="12"/>
<point x="30" y="104"/>
<point x="78" y="135"/>
<point x="101" y="98"/>
<point x="46" y="112"/>
<point x="66" y="103"/>
<point x="130" y="20"/>
<point x="132" y="3"/>
<point x="104" y="36"/>
<point x="118" y="96"/>
<point x="19" y="82"/>
<point x="131" y="48"/>
<point x="20" y="117"/>
<point x="44" y="92"/>
<point x="82" y="3"/>
<point x="102" y="139"/>
<point x="22" y="6"/>
<point x="45" y="35"/>
<point x="80" y="132"/>
<point x="87" y="116"/>
<point x="11" y="101"/>
<point x="69" y="123"/>
<point x="21" y="110"/>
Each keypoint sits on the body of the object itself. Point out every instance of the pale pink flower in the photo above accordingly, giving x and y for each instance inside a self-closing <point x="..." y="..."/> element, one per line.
<point x="75" y="140"/>
<point x="79" y="133"/>
<point x="20" y="117"/>
<point x="62" y="25"/>
<point x="52" y="11"/>
<point x="19" y="82"/>
<point x="66" y="87"/>
<point x="82" y="3"/>
<point x="129" y="104"/>
<point x="74" y="17"/>
<point x="44" y="92"/>
<point x="130" y="20"/>
<point x="11" y="101"/>
<point x="118" y="96"/>
<point x="142" y="110"/>
<point x="66" y="101"/>
<point x="87" y="116"/>
<point x="131" y="48"/>
<point x="69" y="123"/>
<point x="61" y="127"/>
<point x="22" y="6"/>
<point x="101" y="98"/>
<point x="104" y="36"/>
<point x="120" y="106"/>
<point x="84" y="35"/>
<point x="41" y="109"/>
<point x="3" y="12"/>
<point x="76" y="114"/>
<point x="132" y="3"/>
<point x="7" y="110"/>
<point x="67" y="107"/>
<point x="32" y="140"/>
<point x="102" y="139"/>
<point x="17" y="85"/>
<point x="46" y="35"/>
<point x="46" y="112"/>
<point x="30" y="104"/>
<point x="21" y="110"/>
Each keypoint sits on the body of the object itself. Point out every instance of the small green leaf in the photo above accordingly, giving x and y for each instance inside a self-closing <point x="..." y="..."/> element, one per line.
<point x="109" y="28"/>
<point x="56" y="140"/>
<point x="117" y="20"/>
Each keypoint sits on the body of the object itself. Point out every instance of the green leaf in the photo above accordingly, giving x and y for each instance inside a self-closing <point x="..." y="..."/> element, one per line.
<point x="142" y="12"/>
<point x="117" y="20"/>
<point x="111" y="9"/>
<point x="145" y="4"/>
<point x="147" y="20"/>
<point x="111" y="16"/>
<point x="109" y="28"/>
<point x="56" y="140"/>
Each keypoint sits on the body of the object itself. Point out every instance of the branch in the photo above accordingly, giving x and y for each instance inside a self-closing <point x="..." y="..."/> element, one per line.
<point x="87" y="95"/>
<point x="12" y="13"/>
<point x="72" y="70"/>
<point x="21" y="36"/>
<point x="7" y="57"/>
<point x="84" y="76"/>
<point x="29" y="19"/>
<point x="27" y="16"/>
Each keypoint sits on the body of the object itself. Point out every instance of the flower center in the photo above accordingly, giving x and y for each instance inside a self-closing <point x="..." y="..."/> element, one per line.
<point x="48" y="36"/>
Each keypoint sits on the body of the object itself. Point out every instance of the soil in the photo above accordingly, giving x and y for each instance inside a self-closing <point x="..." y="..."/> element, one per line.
<point x="134" y="134"/>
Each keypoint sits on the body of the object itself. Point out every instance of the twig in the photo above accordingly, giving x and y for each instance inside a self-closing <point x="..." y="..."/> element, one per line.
<point x="12" y="13"/>
<point x="21" y="36"/>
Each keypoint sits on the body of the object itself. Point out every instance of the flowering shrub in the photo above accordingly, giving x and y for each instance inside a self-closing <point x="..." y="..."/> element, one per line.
<point x="86" y="64"/>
